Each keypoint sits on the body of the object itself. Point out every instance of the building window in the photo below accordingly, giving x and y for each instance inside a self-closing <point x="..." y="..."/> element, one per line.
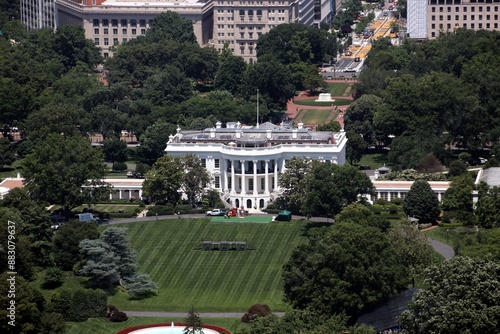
<point x="106" y="55"/>
<point x="433" y="26"/>
<point x="259" y="12"/>
<point x="465" y="17"/>
<point x="124" y="39"/>
<point x="217" y="163"/>
<point x="124" y="23"/>
<point x="143" y="31"/>
<point x="433" y="9"/>
<point x="133" y="23"/>
<point x="134" y="31"/>
<point x="250" y="184"/>
<point x="106" y="31"/>
<point x="440" y="17"/>
<point x="448" y="26"/>
<point x="250" y="12"/>
<point x="115" y="31"/>
<point x="440" y="9"/>
<point x="472" y="26"/>
<point x="106" y="41"/>
<point x="96" y="41"/>
<point x="96" y="23"/>
<point x="480" y="8"/>
<point x="204" y="163"/>
<point x="142" y="23"/>
<point x="433" y="34"/>
<point x="217" y="182"/>
<point x="96" y="31"/>
<point x="448" y="9"/>
<point x="115" y="41"/>
<point x="480" y="26"/>
<point x="229" y="183"/>
<point x="480" y="17"/>
<point x="262" y="184"/>
<point x="457" y="17"/>
<point x="114" y="22"/>
<point x="242" y="12"/>
<point x="124" y="31"/>
<point x="433" y="18"/>
<point x="448" y="17"/>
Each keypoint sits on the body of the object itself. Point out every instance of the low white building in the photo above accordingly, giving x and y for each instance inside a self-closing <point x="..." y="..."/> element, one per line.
<point x="246" y="161"/>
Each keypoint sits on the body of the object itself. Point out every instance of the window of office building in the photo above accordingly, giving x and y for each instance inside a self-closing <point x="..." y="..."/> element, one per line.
<point x="250" y="12"/>
<point x="448" y="26"/>
<point x="105" y="22"/>
<point x="204" y="163"/>
<point x="433" y="26"/>
<point x="217" y="163"/>
<point x="440" y="17"/>
<point x="472" y="25"/>
<point x="115" y="31"/>
<point x="472" y="17"/>
<point x="96" y="31"/>
<point x="96" y="41"/>
<point x="106" y="31"/>
<point x="106" y="55"/>
<point x="448" y="17"/>
<point x="217" y="182"/>
<point x="114" y="22"/>
<point x="440" y="9"/>
<point x="96" y="22"/>
<point x="143" y="31"/>
<point x="480" y="8"/>
<point x="242" y="12"/>
<point x="250" y="184"/>
<point x="106" y="41"/>
<point x="124" y="22"/>
<point x="134" y="31"/>
<point x="480" y="26"/>
<point x="124" y="31"/>
<point x="433" y="18"/>
<point x="133" y="23"/>
<point x="115" y="41"/>
<point x="448" y="9"/>
<point x="124" y="39"/>
<point x="457" y="17"/>
<point x="142" y="23"/>
<point x="480" y="17"/>
<point x="465" y="17"/>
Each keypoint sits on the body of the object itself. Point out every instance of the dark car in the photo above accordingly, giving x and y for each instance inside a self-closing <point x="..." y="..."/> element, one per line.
<point x="357" y="59"/>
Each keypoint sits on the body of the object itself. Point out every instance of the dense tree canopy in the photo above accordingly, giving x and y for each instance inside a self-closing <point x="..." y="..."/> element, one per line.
<point x="343" y="268"/>
<point x="422" y="203"/>
<point x="461" y="296"/>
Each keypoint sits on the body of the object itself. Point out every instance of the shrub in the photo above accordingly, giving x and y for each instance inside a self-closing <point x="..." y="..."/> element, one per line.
<point x="183" y="208"/>
<point x="161" y="210"/>
<point x="119" y="166"/>
<point x="52" y="278"/>
<point x="256" y="311"/>
<point x="422" y="226"/>
<point x="392" y="208"/>
<point x="397" y="201"/>
<point x="377" y="209"/>
<point x="118" y="317"/>
<point x="80" y="304"/>
<point x="380" y="201"/>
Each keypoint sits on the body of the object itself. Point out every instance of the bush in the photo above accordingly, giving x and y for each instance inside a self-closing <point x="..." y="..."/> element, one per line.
<point x="422" y="226"/>
<point x="392" y="208"/>
<point x="256" y="311"/>
<point x="118" y="317"/>
<point x="377" y="209"/>
<point x="380" y="201"/>
<point x="52" y="278"/>
<point x="79" y="305"/>
<point x="119" y="166"/>
<point x="184" y="208"/>
<point x="397" y="201"/>
<point x="161" y="210"/>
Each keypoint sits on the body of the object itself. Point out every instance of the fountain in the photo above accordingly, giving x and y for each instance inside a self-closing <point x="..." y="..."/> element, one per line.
<point x="165" y="329"/>
<point x="324" y="97"/>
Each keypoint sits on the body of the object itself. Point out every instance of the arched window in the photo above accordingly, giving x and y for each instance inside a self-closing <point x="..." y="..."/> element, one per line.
<point x="259" y="12"/>
<point x="250" y="12"/>
<point x="242" y="12"/>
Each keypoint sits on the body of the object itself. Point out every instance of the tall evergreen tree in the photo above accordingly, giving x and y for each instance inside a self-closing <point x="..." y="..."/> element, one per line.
<point x="193" y="323"/>
<point x="422" y="203"/>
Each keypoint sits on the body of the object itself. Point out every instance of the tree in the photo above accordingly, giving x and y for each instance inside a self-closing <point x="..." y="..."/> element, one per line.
<point x="457" y="202"/>
<point x="66" y="241"/>
<point x="293" y="183"/>
<point x="343" y="268"/>
<point x="115" y="150"/>
<point x="356" y="147"/>
<point x="457" y="168"/>
<point x="229" y="74"/>
<point x="461" y="297"/>
<point x="163" y="182"/>
<point x="153" y="142"/>
<point x="410" y="247"/>
<point x="109" y="258"/>
<point x="171" y="26"/>
<point x="193" y="323"/>
<point x="359" y="117"/>
<point x="330" y="187"/>
<point x="488" y="206"/>
<point x="422" y="203"/>
<point x="71" y="44"/>
<point x="195" y="179"/>
<point x="59" y="167"/>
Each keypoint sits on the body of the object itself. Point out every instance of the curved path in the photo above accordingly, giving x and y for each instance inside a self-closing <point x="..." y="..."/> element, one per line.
<point x="183" y="315"/>
<point x="444" y="249"/>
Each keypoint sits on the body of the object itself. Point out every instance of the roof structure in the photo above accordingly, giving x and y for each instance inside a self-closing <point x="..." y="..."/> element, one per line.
<point x="387" y="316"/>
<point x="491" y="176"/>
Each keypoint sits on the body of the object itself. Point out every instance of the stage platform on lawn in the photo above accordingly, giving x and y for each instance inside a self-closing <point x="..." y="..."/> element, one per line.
<point x="247" y="219"/>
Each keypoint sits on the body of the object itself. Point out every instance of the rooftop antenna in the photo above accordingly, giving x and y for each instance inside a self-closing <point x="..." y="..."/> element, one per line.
<point x="257" y="108"/>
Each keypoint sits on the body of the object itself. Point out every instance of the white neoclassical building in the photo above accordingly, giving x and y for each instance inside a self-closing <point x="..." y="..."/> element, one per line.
<point x="246" y="161"/>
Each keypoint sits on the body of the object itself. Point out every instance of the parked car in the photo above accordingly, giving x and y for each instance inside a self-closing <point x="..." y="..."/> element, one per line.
<point x="357" y="59"/>
<point x="216" y="212"/>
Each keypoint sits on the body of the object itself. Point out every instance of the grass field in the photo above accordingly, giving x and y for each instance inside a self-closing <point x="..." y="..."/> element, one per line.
<point x="313" y="103"/>
<point x="314" y="116"/>
<point x="374" y="160"/>
<point x="215" y="281"/>
<point x="102" y="326"/>
<point x="337" y="88"/>
<point x="248" y="219"/>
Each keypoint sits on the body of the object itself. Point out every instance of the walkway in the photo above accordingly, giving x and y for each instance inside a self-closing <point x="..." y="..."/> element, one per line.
<point x="183" y="315"/>
<point x="444" y="249"/>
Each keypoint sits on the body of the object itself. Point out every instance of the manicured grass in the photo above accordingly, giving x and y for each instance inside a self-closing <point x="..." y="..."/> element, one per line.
<point x="115" y="207"/>
<point x="448" y="235"/>
<point x="248" y="219"/>
<point x="312" y="102"/>
<point x="314" y="116"/>
<point x="102" y="326"/>
<point x="216" y="281"/>
<point x="374" y="160"/>
<point x="337" y="88"/>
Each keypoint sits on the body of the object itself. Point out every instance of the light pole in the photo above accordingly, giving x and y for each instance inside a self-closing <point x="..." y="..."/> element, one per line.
<point x="447" y="236"/>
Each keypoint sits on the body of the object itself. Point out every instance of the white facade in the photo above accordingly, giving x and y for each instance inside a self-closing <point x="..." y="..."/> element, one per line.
<point x="246" y="162"/>
<point x="37" y="14"/>
<point x="417" y="19"/>
<point x="112" y="22"/>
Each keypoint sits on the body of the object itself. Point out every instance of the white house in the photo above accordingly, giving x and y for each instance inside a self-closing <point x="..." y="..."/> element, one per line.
<point x="246" y="161"/>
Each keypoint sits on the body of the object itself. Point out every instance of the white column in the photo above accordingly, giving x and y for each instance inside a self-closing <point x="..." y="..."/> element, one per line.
<point x="388" y="196"/>
<point x="283" y="164"/>
<point x="119" y="194"/>
<point x="439" y="197"/>
<point x="255" y="178"/>
<point x="111" y="195"/>
<point x="224" y="171"/>
<point x="140" y="194"/>
<point x="266" y="180"/>
<point x="232" y="177"/>
<point x="243" y="188"/>
<point x="275" y="174"/>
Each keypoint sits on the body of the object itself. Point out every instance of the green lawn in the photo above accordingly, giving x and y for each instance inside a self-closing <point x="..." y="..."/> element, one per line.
<point x="374" y="160"/>
<point x="448" y="235"/>
<point x="337" y="88"/>
<point x="215" y="281"/>
<point x="112" y="207"/>
<point x="102" y="326"/>
<point x="313" y="116"/>
<point x="313" y="103"/>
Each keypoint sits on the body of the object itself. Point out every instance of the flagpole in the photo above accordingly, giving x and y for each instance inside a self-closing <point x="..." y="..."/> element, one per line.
<point x="257" y="108"/>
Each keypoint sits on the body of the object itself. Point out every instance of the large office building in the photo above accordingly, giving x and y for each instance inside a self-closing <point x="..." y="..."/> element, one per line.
<point x="112" y="22"/>
<point x="247" y="161"/>
<point x="429" y="18"/>
<point x="239" y="23"/>
<point x="37" y="14"/>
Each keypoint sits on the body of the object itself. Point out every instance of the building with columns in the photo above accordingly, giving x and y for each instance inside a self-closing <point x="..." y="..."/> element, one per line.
<point x="246" y="161"/>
